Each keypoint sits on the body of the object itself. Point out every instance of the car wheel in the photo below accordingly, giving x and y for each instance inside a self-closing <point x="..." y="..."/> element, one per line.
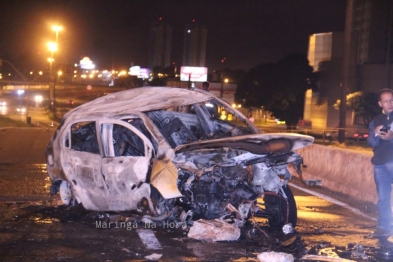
<point x="281" y="211"/>
<point x="66" y="195"/>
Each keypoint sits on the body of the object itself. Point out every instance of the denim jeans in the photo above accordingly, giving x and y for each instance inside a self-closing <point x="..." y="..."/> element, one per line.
<point x="383" y="177"/>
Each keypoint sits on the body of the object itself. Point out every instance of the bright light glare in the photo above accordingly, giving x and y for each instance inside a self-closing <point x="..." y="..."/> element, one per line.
<point x="20" y="92"/>
<point x="123" y="72"/>
<point x="57" y="28"/>
<point x="3" y="108"/>
<point x="38" y="98"/>
<point x="21" y="109"/>
<point x="52" y="46"/>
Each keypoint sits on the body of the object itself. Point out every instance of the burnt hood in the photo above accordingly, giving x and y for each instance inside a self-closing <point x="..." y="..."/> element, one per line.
<point x="271" y="143"/>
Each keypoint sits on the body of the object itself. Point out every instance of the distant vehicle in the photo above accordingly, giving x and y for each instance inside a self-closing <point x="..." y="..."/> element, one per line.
<point x="70" y="102"/>
<point x="352" y="134"/>
<point x="161" y="152"/>
<point x="21" y="109"/>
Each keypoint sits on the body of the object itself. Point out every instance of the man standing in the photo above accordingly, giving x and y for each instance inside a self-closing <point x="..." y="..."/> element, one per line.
<point x="380" y="138"/>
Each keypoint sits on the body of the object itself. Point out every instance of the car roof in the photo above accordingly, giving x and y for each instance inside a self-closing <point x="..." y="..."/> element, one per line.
<point x="142" y="99"/>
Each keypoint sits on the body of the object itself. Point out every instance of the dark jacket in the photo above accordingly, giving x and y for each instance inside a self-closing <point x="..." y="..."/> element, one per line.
<point x="383" y="149"/>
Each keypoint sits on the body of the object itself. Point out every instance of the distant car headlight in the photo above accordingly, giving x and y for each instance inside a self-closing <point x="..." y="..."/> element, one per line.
<point x="21" y="109"/>
<point x="3" y="103"/>
<point x="38" y="98"/>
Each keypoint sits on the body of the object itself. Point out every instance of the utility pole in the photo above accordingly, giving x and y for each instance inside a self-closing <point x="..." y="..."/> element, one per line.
<point x="222" y="83"/>
<point x="345" y="72"/>
<point x="222" y="77"/>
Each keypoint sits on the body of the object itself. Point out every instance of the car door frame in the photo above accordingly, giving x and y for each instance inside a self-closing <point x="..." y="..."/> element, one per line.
<point x="83" y="170"/>
<point x="124" y="176"/>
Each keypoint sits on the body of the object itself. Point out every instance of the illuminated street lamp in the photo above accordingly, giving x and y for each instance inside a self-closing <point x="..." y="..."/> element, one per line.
<point x="52" y="47"/>
<point x="50" y="60"/>
<point x="57" y="28"/>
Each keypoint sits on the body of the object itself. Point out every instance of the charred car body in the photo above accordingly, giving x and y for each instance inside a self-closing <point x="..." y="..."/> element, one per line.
<point x="172" y="154"/>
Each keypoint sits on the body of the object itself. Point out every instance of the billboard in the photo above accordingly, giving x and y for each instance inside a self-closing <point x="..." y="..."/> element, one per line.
<point x="139" y="72"/>
<point x="144" y="73"/>
<point x="86" y="63"/>
<point x="134" y="70"/>
<point x="194" y="74"/>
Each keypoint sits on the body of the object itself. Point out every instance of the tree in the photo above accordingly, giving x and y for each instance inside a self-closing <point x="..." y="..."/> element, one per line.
<point x="279" y="87"/>
<point x="363" y="104"/>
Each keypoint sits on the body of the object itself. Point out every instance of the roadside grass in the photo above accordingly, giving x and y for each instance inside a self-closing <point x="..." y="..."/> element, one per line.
<point x="8" y="122"/>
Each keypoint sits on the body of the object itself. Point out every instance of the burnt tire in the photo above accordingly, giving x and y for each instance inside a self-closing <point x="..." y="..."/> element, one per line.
<point x="277" y="208"/>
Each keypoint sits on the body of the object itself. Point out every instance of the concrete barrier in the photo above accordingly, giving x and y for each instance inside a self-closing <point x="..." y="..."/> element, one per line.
<point x="341" y="170"/>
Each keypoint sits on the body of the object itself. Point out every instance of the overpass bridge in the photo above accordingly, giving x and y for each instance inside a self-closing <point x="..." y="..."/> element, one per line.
<point x="17" y="84"/>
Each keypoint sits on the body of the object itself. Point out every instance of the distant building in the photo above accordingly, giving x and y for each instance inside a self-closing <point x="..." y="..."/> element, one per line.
<point x="319" y="49"/>
<point x="194" y="45"/>
<point x="372" y="26"/>
<point x="160" y="43"/>
<point x="325" y="54"/>
<point x="370" y="59"/>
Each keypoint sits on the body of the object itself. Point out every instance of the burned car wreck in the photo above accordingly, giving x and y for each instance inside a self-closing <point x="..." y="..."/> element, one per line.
<point x="173" y="154"/>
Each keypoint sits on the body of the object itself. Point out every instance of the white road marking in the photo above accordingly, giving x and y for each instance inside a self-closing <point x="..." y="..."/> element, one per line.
<point x="334" y="201"/>
<point x="149" y="239"/>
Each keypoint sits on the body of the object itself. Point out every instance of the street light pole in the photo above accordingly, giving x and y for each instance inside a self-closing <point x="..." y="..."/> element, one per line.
<point x="52" y="48"/>
<point x="222" y="84"/>
<point x="52" y="81"/>
<point x="345" y="73"/>
<point x="222" y="78"/>
<point x="57" y="28"/>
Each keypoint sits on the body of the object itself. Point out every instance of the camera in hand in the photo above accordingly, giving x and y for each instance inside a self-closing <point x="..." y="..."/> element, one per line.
<point x="384" y="129"/>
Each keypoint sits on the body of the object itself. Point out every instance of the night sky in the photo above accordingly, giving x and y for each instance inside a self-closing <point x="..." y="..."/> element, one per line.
<point x="115" y="32"/>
